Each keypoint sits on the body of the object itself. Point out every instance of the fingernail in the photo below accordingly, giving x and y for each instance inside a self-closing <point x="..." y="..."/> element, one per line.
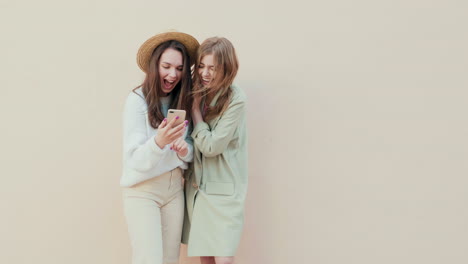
<point x="171" y="148"/>
<point x="165" y="119"/>
<point x="177" y="117"/>
<point x="186" y="121"/>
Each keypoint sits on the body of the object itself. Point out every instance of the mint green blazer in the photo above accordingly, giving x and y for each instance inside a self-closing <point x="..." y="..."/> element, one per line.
<point x="216" y="182"/>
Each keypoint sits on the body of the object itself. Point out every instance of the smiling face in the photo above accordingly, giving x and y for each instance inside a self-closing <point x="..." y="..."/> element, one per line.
<point x="207" y="70"/>
<point x="170" y="69"/>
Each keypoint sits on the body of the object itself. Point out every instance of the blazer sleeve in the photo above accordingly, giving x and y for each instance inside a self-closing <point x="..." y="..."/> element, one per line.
<point x="141" y="154"/>
<point x="213" y="142"/>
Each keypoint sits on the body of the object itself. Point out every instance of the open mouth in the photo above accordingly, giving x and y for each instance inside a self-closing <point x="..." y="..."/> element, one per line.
<point x="168" y="85"/>
<point x="205" y="82"/>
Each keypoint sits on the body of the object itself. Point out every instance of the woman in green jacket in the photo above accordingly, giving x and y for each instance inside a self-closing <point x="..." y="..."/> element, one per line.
<point x="216" y="184"/>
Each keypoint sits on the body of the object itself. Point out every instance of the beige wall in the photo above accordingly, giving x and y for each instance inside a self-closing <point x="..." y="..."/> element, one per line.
<point x="357" y="122"/>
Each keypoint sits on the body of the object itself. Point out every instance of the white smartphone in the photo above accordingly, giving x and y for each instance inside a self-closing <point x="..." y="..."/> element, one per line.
<point x="173" y="113"/>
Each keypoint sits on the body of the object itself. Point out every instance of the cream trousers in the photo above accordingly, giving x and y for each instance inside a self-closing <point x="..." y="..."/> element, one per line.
<point x="154" y="210"/>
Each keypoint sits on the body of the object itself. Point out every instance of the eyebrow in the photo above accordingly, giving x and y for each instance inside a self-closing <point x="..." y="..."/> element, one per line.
<point x="209" y="66"/>
<point x="181" y="65"/>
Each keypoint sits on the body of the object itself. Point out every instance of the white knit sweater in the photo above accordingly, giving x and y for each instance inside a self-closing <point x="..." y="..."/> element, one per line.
<point x="142" y="158"/>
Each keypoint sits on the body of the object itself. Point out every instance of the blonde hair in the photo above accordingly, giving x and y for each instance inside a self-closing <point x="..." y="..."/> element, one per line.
<point x="226" y="69"/>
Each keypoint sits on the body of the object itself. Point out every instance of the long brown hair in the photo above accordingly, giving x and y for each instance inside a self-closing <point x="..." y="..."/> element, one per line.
<point x="152" y="89"/>
<point x="226" y="69"/>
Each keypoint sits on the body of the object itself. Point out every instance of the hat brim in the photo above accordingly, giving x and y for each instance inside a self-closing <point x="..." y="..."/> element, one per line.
<point x="147" y="48"/>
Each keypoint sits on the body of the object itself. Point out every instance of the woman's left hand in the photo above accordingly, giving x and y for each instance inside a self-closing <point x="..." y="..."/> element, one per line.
<point x="180" y="147"/>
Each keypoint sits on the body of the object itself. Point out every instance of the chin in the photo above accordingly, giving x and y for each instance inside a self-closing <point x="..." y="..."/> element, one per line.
<point x="167" y="91"/>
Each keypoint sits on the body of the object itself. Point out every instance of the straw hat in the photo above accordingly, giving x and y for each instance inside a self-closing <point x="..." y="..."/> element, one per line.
<point x="147" y="48"/>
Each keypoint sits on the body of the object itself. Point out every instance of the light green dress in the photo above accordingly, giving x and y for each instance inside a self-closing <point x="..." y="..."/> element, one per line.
<point x="216" y="182"/>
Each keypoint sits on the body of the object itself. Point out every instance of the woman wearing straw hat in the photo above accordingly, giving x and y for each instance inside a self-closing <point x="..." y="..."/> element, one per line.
<point x="216" y="186"/>
<point x="155" y="150"/>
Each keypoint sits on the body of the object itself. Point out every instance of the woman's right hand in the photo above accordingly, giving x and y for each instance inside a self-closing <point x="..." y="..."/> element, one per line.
<point x="167" y="133"/>
<point x="196" y="113"/>
<point x="196" y="103"/>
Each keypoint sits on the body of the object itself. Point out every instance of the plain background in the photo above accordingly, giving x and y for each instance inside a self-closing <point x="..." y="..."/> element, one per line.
<point x="357" y="119"/>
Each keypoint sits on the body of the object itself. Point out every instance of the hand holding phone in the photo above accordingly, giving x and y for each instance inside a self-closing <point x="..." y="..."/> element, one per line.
<point x="171" y="128"/>
<point x="174" y="113"/>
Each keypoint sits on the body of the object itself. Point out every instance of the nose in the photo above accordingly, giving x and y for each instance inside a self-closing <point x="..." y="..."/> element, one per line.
<point x="173" y="73"/>
<point x="205" y="72"/>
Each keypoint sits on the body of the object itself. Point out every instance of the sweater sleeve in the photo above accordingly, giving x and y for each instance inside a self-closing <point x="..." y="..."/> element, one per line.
<point x="212" y="142"/>
<point x="141" y="154"/>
